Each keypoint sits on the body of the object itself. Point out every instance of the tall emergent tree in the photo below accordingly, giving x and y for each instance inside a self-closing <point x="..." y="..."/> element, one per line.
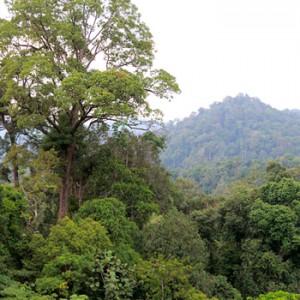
<point x="68" y="63"/>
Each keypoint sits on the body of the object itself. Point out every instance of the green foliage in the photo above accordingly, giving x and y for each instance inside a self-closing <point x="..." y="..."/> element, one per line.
<point x="158" y="142"/>
<point x="140" y="155"/>
<point x="132" y="192"/>
<point x="275" y="224"/>
<point x="125" y="167"/>
<point x="165" y="279"/>
<point x="261" y="270"/>
<point x="39" y="183"/>
<point x="144" y="211"/>
<point x="17" y="291"/>
<point x="86" y="237"/>
<point x="114" y="277"/>
<point x="14" y="215"/>
<point x="13" y="212"/>
<point x="284" y="191"/>
<point x="208" y="222"/>
<point x="174" y="235"/>
<point x="245" y="242"/>
<point x="80" y="297"/>
<point x="111" y="213"/>
<point x="98" y="170"/>
<point x="126" y="254"/>
<point x="220" y="145"/>
<point x="102" y="276"/>
<point x="235" y="212"/>
<point x="66" y="257"/>
<point x="222" y="289"/>
<point x="275" y="171"/>
<point x="225" y="225"/>
<point x="247" y="239"/>
<point x="279" y="295"/>
<point x="190" y="197"/>
<point x="65" y="274"/>
<point x="213" y="286"/>
<point x="48" y="85"/>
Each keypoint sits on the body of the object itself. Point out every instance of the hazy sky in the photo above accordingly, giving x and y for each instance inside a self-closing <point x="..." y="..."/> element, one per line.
<point x="219" y="48"/>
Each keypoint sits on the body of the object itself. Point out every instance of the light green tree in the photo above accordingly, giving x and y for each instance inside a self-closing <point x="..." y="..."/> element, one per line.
<point x="165" y="279"/>
<point x="63" y="261"/>
<point x="38" y="181"/>
<point x="279" y="295"/>
<point x="48" y="50"/>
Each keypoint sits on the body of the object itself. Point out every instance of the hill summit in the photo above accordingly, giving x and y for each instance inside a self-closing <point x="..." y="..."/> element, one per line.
<point x="240" y="128"/>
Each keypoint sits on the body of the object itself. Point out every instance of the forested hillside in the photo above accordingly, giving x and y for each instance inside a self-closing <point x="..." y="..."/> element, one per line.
<point x="133" y="233"/>
<point x="87" y="212"/>
<point x="221" y="144"/>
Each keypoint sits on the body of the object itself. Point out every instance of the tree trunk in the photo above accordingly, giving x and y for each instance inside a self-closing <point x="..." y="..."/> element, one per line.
<point x="15" y="168"/>
<point x="15" y="172"/>
<point x="64" y="191"/>
<point x="81" y="188"/>
<point x="78" y="190"/>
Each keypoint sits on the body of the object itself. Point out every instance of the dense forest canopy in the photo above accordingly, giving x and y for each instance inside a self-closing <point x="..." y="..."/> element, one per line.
<point x="86" y="209"/>
<point x="231" y="138"/>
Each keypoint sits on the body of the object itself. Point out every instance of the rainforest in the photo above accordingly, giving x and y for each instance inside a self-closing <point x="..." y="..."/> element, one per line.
<point x="101" y="200"/>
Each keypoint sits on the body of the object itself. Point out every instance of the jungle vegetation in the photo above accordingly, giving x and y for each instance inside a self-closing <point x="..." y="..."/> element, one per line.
<point x="86" y="209"/>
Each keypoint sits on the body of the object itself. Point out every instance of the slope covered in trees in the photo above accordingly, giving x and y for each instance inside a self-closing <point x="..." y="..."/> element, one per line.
<point x="220" y="144"/>
<point x="86" y="209"/>
<point x="135" y="234"/>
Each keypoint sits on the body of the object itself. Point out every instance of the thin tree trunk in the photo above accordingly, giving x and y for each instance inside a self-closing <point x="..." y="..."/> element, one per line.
<point x="78" y="190"/>
<point x="64" y="192"/>
<point x="80" y="193"/>
<point x="15" y="172"/>
<point x="15" y="168"/>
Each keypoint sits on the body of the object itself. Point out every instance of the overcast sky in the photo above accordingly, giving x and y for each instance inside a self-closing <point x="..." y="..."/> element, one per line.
<point x="219" y="48"/>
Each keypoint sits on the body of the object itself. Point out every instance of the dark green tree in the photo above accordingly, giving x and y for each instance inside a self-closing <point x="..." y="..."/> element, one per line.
<point x="174" y="235"/>
<point x="275" y="171"/>
<point x="14" y="215"/>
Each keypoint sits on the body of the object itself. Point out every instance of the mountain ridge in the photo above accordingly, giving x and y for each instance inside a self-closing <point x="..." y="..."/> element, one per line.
<point x="239" y="128"/>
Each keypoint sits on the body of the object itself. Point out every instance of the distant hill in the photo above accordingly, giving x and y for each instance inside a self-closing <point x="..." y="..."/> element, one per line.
<point x="235" y="132"/>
